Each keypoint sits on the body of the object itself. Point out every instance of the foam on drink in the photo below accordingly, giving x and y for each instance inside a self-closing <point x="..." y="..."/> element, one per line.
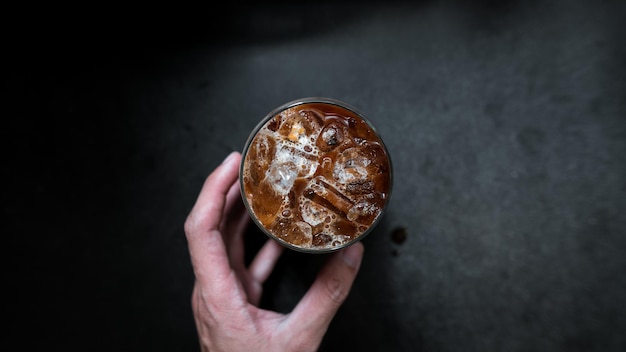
<point x="316" y="176"/>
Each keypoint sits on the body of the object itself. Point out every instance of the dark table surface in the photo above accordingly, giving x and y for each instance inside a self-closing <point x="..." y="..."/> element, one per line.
<point x="506" y="122"/>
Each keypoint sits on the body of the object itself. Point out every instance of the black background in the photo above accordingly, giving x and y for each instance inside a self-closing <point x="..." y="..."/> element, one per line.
<point x="505" y="122"/>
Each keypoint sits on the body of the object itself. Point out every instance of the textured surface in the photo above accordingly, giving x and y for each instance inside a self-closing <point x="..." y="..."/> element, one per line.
<point x="505" y="121"/>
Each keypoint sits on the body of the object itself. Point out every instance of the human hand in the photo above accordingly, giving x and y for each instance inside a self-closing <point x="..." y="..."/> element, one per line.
<point x="226" y="293"/>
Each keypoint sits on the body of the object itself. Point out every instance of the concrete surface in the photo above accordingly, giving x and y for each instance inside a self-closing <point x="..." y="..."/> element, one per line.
<point x="505" y="122"/>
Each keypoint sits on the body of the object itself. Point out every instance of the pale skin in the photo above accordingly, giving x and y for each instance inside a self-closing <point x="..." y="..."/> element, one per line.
<point x="226" y="293"/>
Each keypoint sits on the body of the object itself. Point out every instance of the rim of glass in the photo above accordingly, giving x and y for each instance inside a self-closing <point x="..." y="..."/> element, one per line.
<point x="271" y="114"/>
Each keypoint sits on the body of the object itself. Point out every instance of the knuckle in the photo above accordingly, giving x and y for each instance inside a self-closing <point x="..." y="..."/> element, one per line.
<point x="336" y="291"/>
<point x="195" y="301"/>
<point x="189" y="225"/>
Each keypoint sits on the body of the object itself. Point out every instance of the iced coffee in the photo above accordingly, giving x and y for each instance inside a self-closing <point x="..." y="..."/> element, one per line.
<point x="315" y="175"/>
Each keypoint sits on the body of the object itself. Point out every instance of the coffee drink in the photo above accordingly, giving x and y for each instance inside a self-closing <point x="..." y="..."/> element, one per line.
<point x="315" y="175"/>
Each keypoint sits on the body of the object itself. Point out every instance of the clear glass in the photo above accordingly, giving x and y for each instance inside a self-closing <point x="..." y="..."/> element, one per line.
<point x="279" y="110"/>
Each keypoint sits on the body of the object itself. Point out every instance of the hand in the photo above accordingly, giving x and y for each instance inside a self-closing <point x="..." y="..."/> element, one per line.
<point x="226" y="294"/>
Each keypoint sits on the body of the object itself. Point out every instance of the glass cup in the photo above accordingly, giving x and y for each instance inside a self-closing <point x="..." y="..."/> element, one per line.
<point x="315" y="175"/>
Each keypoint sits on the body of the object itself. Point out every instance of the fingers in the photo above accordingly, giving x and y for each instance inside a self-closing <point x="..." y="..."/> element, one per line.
<point x="260" y="269"/>
<point x="320" y="304"/>
<point x="206" y="247"/>
<point x="264" y="262"/>
<point x="235" y="238"/>
<point x="233" y="224"/>
<point x="233" y="202"/>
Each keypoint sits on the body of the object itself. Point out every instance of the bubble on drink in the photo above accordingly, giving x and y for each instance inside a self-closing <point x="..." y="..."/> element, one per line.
<point x="316" y="176"/>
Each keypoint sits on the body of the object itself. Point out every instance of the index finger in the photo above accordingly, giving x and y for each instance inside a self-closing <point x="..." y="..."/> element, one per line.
<point x="206" y="247"/>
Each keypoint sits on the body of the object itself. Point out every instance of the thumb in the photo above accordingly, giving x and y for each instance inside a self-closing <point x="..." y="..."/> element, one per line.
<point x="319" y="305"/>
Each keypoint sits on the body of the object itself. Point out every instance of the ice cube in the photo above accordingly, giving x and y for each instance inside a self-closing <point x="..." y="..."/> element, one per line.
<point x="281" y="176"/>
<point x="313" y="116"/>
<point x="321" y="240"/>
<point x="259" y="157"/>
<point x="360" y="187"/>
<point x="274" y="123"/>
<point x="306" y="163"/>
<point x="295" y="232"/>
<point x="330" y="137"/>
<point x="374" y="152"/>
<point x="362" y="212"/>
<point x="328" y="196"/>
<point x="300" y="126"/>
<point x="313" y="213"/>
<point x="351" y="165"/>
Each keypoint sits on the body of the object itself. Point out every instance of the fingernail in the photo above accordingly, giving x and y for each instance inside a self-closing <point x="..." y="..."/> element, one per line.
<point x="229" y="157"/>
<point x="353" y="255"/>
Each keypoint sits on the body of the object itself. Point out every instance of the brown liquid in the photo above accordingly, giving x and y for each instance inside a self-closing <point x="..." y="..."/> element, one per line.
<point x="316" y="176"/>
